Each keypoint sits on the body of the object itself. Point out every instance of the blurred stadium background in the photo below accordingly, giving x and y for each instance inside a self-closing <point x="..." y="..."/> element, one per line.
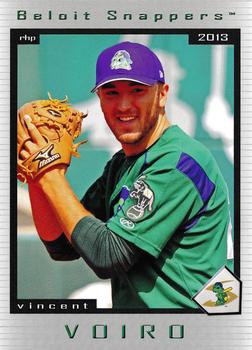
<point x="201" y="79"/>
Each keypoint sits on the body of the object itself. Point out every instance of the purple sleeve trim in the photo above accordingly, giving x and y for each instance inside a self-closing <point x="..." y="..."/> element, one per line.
<point x="188" y="166"/>
<point x="194" y="171"/>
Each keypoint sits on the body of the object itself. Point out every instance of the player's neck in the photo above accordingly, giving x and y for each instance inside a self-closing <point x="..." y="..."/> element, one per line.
<point x="156" y="132"/>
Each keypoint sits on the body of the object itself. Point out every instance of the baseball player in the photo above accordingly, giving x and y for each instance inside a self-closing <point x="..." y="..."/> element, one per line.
<point x="157" y="220"/>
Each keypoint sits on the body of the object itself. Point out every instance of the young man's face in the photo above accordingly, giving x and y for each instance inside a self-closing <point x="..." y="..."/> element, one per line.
<point x="131" y="109"/>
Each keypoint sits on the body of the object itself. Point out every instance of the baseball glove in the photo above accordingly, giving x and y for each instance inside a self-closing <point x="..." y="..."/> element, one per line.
<point x="59" y="124"/>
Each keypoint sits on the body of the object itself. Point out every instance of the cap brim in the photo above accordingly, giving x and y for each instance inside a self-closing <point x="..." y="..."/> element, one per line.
<point x="144" y="81"/>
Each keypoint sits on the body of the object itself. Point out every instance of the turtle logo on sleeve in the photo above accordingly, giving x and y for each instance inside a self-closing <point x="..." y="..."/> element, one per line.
<point x="144" y="197"/>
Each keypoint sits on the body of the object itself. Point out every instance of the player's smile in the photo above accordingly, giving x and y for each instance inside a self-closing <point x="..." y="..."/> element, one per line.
<point x="131" y="110"/>
<point x="126" y="118"/>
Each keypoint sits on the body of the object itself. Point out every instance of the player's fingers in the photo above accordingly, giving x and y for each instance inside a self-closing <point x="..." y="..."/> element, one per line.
<point x="33" y="131"/>
<point x="24" y="154"/>
<point x="22" y="134"/>
<point x="21" y="138"/>
<point x="31" y="147"/>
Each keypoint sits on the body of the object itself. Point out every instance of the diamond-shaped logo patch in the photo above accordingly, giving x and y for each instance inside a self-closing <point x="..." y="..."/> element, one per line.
<point x="221" y="294"/>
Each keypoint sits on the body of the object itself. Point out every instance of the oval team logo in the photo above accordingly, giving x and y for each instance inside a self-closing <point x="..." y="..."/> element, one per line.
<point x="127" y="223"/>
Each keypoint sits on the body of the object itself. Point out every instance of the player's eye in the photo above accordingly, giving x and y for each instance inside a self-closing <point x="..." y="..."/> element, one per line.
<point x="137" y="90"/>
<point x="111" y="93"/>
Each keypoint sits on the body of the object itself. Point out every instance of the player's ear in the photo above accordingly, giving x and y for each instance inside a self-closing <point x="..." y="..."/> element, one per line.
<point x="163" y="90"/>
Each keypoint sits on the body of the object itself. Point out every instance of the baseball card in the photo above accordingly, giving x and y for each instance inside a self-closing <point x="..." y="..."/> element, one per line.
<point x="126" y="212"/>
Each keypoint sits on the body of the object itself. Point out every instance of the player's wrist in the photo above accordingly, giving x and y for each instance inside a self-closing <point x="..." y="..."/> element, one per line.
<point x="53" y="177"/>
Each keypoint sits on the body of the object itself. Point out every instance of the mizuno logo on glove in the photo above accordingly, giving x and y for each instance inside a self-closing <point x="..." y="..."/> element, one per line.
<point x="46" y="157"/>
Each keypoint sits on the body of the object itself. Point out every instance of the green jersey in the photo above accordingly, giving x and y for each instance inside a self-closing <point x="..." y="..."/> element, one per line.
<point x="171" y="201"/>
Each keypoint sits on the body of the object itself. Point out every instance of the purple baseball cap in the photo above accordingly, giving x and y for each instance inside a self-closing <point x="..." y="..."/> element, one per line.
<point x="128" y="61"/>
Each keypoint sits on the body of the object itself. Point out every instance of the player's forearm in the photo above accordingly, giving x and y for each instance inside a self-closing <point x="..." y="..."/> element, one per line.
<point x="64" y="203"/>
<point x="44" y="218"/>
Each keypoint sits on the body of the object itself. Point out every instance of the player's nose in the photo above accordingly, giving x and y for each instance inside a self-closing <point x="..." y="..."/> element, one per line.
<point x="124" y="103"/>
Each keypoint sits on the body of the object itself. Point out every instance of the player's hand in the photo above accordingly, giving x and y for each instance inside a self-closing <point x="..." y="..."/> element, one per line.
<point x="34" y="142"/>
<point x="47" y="130"/>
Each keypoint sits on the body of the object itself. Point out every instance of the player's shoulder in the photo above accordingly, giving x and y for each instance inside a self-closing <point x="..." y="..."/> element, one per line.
<point x="177" y="153"/>
<point x="179" y="147"/>
<point x="186" y="159"/>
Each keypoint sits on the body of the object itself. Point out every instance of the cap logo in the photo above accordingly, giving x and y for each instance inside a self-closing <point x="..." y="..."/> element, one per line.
<point x="121" y="60"/>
